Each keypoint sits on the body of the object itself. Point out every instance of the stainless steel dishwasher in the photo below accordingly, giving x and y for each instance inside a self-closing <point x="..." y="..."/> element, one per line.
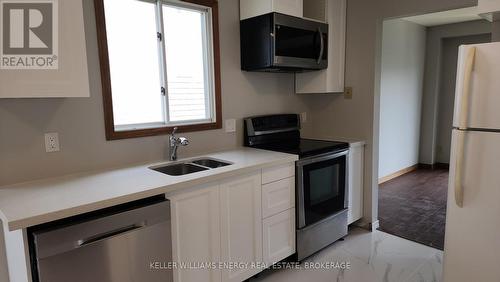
<point x="128" y="243"/>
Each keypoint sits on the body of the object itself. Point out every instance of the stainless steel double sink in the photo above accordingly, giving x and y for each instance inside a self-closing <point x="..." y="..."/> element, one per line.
<point x="190" y="166"/>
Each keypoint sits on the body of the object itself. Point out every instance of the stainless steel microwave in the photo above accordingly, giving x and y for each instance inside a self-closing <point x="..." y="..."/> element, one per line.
<point x="276" y="42"/>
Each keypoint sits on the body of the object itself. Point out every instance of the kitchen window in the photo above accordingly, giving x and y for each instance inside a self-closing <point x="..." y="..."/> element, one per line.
<point x="160" y="66"/>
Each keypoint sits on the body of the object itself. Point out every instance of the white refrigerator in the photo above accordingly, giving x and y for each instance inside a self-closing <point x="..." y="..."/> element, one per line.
<point x="472" y="240"/>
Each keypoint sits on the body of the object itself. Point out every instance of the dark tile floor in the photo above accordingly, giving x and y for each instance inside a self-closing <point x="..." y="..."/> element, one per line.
<point x="413" y="206"/>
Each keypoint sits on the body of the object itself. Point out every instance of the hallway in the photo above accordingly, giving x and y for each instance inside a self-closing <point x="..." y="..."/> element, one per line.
<point x="413" y="206"/>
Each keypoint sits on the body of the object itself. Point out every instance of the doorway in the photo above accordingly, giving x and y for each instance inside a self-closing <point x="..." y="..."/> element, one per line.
<point x="418" y="73"/>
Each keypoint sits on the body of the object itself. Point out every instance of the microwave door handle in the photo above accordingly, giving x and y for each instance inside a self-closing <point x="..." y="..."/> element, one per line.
<point x="322" y="46"/>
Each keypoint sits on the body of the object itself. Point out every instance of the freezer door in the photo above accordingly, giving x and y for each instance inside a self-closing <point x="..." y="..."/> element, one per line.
<point x="472" y="244"/>
<point x="478" y="87"/>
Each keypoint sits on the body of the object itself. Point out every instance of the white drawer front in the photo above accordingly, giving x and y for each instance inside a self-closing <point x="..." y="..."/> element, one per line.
<point x="278" y="196"/>
<point x="277" y="173"/>
<point x="279" y="236"/>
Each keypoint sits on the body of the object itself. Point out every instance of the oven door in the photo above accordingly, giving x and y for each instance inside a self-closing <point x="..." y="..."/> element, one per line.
<point x="322" y="187"/>
<point x="300" y="43"/>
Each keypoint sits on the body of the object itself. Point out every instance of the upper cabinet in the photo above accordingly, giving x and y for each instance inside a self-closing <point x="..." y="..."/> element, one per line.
<point x="315" y="10"/>
<point x="330" y="80"/>
<point x="253" y="8"/>
<point x="308" y="79"/>
<point x="489" y="9"/>
<point x="44" y="53"/>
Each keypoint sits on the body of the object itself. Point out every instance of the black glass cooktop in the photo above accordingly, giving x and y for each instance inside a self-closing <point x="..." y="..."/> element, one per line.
<point x="305" y="147"/>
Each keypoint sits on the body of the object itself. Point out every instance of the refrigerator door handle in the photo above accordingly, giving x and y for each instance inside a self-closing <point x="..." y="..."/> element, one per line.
<point x="458" y="185"/>
<point x="464" y="107"/>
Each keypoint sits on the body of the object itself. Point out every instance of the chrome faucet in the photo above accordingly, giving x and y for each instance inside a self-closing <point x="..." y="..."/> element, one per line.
<point x="174" y="143"/>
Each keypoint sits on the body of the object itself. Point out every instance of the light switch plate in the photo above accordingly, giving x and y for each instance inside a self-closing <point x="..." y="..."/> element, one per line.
<point x="230" y="125"/>
<point x="52" y="142"/>
<point x="303" y="117"/>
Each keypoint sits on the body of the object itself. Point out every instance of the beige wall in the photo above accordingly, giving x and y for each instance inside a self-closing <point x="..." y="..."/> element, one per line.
<point x="334" y="116"/>
<point x="495" y="31"/>
<point x="80" y="124"/>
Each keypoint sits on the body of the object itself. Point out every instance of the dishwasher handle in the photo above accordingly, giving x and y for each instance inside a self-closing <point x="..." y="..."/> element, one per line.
<point x="110" y="234"/>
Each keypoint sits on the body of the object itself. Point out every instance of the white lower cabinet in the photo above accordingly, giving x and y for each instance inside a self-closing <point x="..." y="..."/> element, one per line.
<point x="224" y="223"/>
<point x="279" y="236"/>
<point x="196" y="234"/>
<point x="241" y="226"/>
<point x="356" y="164"/>
<point x="278" y="196"/>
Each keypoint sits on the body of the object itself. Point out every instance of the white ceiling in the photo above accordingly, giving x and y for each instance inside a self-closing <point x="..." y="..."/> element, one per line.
<point x="447" y="17"/>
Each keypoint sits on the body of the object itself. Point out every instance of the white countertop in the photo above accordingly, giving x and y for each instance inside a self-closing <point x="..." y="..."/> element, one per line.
<point x="352" y="142"/>
<point x="32" y="203"/>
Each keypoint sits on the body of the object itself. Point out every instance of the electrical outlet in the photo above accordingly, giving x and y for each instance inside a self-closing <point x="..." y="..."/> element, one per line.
<point x="303" y="117"/>
<point x="348" y="93"/>
<point x="52" y="142"/>
<point x="230" y="125"/>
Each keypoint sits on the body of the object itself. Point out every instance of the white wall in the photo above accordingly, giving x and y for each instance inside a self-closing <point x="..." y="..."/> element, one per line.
<point x="80" y="121"/>
<point x="403" y="58"/>
<point x="432" y="86"/>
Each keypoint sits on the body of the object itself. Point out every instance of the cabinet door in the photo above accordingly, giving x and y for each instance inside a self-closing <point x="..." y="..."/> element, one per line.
<point x="279" y="236"/>
<point x="253" y="8"/>
<point x="356" y="160"/>
<point x="330" y="80"/>
<point x="196" y="234"/>
<point x="289" y="7"/>
<point x="241" y="225"/>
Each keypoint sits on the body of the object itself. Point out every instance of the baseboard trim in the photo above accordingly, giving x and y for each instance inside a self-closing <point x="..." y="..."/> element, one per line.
<point x="398" y="174"/>
<point x="434" y="166"/>
<point x="375" y="225"/>
<point x="361" y="223"/>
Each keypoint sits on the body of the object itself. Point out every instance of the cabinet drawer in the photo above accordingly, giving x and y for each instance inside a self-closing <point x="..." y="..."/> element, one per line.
<point x="278" y="172"/>
<point x="279" y="236"/>
<point x="278" y="196"/>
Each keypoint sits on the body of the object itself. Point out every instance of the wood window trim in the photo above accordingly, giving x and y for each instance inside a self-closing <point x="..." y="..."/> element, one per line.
<point x="111" y="133"/>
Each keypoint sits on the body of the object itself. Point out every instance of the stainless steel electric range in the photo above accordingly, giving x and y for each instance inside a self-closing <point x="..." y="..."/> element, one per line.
<point x="321" y="178"/>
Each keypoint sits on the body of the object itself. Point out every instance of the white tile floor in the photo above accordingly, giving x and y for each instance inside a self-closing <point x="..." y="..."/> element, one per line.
<point x="373" y="256"/>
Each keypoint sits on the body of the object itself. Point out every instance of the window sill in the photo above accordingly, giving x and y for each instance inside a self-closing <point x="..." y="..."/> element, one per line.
<point x="137" y="133"/>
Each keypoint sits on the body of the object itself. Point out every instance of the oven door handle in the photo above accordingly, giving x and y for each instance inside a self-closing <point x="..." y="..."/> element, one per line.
<point x="321" y="158"/>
